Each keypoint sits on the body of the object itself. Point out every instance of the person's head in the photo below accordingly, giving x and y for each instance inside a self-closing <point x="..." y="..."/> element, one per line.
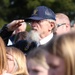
<point x="36" y="62"/>
<point x="3" y="59"/>
<point x="62" y="55"/>
<point x="21" y="28"/>
<point x="42" y="20"/>
<point x="16" y="61"/>
<point x="73" y="25"/>
<point x="62" y="23"/>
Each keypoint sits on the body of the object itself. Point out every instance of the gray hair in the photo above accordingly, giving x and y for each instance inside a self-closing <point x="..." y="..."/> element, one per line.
<point x="55" y="27"/>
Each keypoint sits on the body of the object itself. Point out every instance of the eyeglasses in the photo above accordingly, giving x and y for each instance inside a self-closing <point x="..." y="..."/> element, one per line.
<point x="58" y="25"/>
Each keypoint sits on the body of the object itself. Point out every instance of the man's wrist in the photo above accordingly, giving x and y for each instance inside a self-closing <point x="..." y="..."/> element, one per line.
<point x="5" y="27"/>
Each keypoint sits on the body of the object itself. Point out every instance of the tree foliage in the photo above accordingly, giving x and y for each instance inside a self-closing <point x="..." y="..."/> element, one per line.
<point x="16" y="9"/>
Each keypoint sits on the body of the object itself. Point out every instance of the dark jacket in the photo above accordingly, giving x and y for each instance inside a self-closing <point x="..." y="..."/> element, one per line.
<point x="23" y="45"/>
<point x="5" y="34"/>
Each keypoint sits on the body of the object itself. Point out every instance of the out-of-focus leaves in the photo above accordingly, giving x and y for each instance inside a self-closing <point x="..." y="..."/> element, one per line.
<point x="2" y="22"/>
<point x="16" y="9"/>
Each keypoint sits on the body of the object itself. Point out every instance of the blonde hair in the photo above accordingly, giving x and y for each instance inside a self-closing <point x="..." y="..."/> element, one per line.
<point x="64" y="47"/>
<point x="20" y="60"/>
<point x="3" y="59"/>
<point x="37" y="55"/>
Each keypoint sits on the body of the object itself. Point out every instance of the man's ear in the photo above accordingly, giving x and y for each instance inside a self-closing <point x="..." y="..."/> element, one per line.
<point x="52" y="24"/>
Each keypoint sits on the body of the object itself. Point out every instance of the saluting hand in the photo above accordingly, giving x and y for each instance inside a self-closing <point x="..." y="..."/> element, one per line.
<point x="14" y="24"/>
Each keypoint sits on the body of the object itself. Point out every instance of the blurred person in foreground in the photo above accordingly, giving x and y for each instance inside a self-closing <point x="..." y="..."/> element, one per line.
<point x="3" y="59"/>
<point x="62" y="23"/>
<point x="57" y="57"/>
<point x="36" y="62"/>
<point x="61" y="57"/>
<point x="16" y="61"/>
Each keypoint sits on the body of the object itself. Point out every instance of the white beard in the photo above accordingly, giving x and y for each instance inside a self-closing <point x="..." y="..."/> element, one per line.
<point x="33" y="36"/>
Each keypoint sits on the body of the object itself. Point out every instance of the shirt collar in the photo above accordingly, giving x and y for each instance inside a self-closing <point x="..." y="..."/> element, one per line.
<point x="46" y="39"/>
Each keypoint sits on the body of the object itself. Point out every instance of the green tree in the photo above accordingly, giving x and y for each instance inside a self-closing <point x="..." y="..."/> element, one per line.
<point x="16" y="9"/>
<point x="65" y="6"/>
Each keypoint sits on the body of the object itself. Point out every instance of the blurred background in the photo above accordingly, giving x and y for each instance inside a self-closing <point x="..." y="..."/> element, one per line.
<point x="17" y="9"/>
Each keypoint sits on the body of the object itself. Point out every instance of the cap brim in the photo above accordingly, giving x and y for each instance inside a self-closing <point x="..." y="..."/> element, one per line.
<point x="33" y="18"/>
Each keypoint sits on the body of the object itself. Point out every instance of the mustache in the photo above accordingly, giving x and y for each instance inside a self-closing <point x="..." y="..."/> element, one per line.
<point x="33" y="36"/>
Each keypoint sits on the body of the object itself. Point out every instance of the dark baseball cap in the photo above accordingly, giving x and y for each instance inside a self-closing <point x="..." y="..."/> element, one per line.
<point x="42" y="12"/>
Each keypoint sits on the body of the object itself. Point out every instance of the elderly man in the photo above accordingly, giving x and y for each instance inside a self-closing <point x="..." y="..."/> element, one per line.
<point x="63" y="23"/>
<point x="43" y="22"/>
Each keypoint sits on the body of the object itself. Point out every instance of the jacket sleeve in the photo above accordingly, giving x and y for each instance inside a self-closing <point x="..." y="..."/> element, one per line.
<point x="5" y="34"/>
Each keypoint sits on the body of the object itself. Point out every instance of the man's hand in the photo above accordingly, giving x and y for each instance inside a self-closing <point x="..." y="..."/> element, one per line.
<point x="14" y="24"/>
